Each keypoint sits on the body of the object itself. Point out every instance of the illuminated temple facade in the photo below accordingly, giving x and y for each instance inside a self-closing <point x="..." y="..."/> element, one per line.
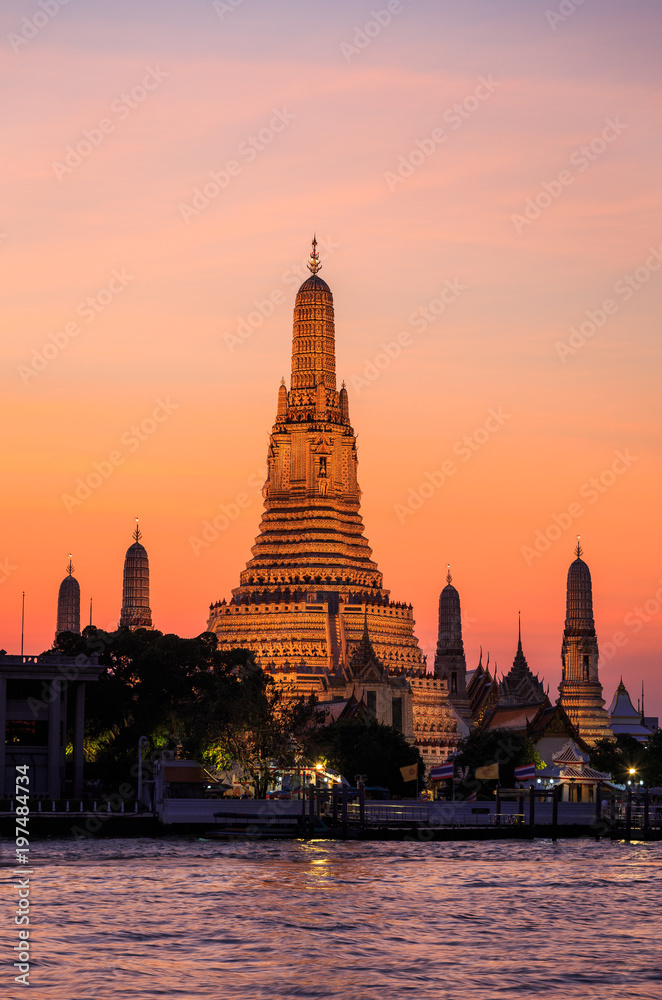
<point x="311" y="602"/>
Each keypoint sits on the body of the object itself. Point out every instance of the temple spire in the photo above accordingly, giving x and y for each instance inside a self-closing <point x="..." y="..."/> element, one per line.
<point x="449" y="662"/>
<point x="313" y="335"/>
<point x="314" y="260"/>
<point x="135" y="611"/>
<point x="580" y="689"/>
<point x="68" y="603"/>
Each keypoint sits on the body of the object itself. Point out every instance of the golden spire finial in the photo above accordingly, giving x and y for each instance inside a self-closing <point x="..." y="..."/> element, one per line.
<point x="314" y="259"/>
<point x="70" y="567"/>
<point x="137" y="535"/>
<point x="579" y="550"/>
<point x="448" y="575"/>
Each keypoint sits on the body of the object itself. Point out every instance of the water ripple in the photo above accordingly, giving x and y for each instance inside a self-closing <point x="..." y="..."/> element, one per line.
<point x="184" y="918"/>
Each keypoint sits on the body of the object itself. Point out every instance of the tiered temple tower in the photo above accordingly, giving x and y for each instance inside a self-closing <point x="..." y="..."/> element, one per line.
<point x="449" y="662"/>
<point x="312" y="585"/>
<point x="68" y="603"/>
<point x="580" y="689"/>
<point x="136" y="611"/>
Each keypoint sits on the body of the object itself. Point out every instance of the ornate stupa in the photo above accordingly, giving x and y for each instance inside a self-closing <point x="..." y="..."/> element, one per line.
<point x="580" y="689"/>
<point x="449" y="662"/>
<point x="312" y="586"/>
<point x="68" y="603"/>
<point x="136" y="612"/>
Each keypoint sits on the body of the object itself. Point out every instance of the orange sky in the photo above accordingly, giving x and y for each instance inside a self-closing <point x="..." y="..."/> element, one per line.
<point x="414" y="149"/>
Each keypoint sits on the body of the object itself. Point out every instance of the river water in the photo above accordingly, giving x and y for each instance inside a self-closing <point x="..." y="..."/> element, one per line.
<point x="186" y="918"/>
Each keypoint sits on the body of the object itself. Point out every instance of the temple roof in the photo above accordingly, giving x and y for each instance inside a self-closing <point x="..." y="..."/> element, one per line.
<point x="314" y="284"/>
<point x="624" y="718"/>
<point x="621" y="705"/>
<point x="69" y="585"/>
<point x="570" y="754"/>
<point x="512" y="718"/>
<point x="364" y="661"/>
<point x="136" y="550"/>
<point x="520" y="686"/>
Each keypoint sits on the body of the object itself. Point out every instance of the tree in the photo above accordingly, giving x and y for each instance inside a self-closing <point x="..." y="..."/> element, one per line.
<point x="652" y="757"/>
<point x="352" y="747"/>
<point x="187" y="695"/>
<point x="253" y="725"/>
<point x="506" y="747"/>
<point x="617" y="757"/>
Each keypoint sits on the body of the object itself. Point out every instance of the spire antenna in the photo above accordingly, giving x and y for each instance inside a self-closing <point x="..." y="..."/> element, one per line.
<point x="579" y="550"/>
<point x="314" y="260"/>
<point x="137" y="535"/>
<point x="448" y="575"/>
<point x="70" y="567"/>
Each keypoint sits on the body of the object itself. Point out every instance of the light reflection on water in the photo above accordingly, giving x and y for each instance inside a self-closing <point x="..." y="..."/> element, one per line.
<point x="183" y="918"/>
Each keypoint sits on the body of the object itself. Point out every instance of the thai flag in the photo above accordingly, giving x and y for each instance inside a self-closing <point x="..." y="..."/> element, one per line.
<point x="525" y="772"/>
<point x="442" y="771"/>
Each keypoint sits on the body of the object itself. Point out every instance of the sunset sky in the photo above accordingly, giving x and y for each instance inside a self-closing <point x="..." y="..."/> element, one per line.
<point x="483" y="179"/>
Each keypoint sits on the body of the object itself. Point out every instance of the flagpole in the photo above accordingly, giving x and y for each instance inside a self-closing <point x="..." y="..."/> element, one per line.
<point x="22" y="622"/>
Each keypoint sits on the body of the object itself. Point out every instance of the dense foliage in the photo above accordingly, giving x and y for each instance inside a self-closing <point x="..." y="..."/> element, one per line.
<point x="480" y="748"/>
<point x="185" y="695"/>
<point x="351" y="748"/>
<point x="625" y="754"/>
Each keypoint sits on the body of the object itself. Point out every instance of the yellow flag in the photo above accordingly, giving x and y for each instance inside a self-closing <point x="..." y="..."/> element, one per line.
<point x="410" y="772"/>
<point x="487" y="772"/>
